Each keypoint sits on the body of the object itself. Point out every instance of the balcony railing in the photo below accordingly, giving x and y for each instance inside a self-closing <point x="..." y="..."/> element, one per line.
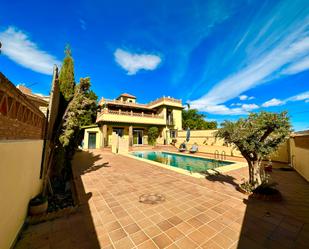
<point x="131" y="113"/>
<point x="115" y="101"/>
<point x="178" y="101"/>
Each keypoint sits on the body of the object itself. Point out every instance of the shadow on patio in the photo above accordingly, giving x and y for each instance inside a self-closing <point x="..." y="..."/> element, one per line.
<point x="282" y="224"/>
<point x="72" y="231"/>
<point x="267" y="224"/>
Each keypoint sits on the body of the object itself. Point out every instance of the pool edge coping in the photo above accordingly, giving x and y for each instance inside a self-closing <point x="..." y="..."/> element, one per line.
<point x="223" y="169"/>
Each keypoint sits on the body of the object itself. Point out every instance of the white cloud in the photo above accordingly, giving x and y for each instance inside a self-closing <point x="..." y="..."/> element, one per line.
<point x="132" y="63"/>
<point x="299" y="97"/>
<point x="274" y="51"/>
<point x="236" y="104"/>
<point x="83" y="24"/>
<point x="298" y="66"/>
<point x="224" y="110"/>
<point x="276" y="102"/>
<point x="254" y="74"/>
<point x="18" y="47"/>
<point x="249" y="107"/>
<point x="273" y="102"/>
<point x="243" y="97"/>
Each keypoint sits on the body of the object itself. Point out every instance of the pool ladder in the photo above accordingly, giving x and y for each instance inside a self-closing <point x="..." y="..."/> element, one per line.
<point x="218" y="158"/>
<point x="223" y="155"/>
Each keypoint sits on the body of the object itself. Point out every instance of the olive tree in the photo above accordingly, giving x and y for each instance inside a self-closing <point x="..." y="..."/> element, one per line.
<point x="256" y="137"/>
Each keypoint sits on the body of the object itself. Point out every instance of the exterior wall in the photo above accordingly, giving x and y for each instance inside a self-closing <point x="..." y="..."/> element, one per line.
<point x="207" y="142"/>
<point x="22" y="127"/>
<point x="282" y="154"/>
<point x="177" y="115"/>
<point x="108" y="117"/>
<point x="98" y="137"/>
<point x="299" y="149"/>
<point x="126" y="132"/>
<point x="20" y="162"/>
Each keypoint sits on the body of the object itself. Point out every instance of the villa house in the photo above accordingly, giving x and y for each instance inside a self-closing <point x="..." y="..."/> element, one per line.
<point x="131" y="120"/>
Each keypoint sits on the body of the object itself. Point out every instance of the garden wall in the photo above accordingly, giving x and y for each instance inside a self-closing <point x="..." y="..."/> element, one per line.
<point x="207" y="143"/>
<point x="20" y="163"/>
<point x="22" y="127"/>
<point x="300" y="155"/>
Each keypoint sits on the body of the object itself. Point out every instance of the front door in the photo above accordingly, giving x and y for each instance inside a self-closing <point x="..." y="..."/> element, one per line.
<point x="138" y="136"/>
<point x="92" y="140"/>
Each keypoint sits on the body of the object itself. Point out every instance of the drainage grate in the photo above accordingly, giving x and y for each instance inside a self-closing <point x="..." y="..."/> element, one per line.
<point x="151" y="198"/>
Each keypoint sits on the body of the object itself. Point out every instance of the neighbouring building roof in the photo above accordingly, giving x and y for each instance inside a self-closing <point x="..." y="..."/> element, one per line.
<point x="127" y="95"/>
<point x="300" y="133"/>
<point x="42" y="100"/>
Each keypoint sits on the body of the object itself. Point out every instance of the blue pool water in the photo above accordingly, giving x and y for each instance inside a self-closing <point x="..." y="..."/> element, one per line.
<point x="195" y="164"/>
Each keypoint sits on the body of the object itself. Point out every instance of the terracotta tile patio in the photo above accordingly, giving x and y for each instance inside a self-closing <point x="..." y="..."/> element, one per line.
<point x="197" y="213"/>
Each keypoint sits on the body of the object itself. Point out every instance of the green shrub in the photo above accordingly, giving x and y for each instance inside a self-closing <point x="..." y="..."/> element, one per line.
<point x="153" y="133"/>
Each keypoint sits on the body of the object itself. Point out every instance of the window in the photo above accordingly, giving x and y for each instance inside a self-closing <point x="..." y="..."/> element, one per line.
<point x="173" y="133"/>
<point x="119" y="131"/>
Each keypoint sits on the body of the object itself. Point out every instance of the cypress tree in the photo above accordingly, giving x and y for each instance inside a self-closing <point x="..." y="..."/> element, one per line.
<point x="66" y="77"/>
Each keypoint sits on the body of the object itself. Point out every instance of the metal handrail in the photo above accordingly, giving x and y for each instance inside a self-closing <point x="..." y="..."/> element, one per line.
<point x="217" y="154"/>
<point x="223" y="155"/>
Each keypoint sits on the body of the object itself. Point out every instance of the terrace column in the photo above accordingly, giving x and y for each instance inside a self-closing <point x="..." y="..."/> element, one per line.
<point x="130" y="135"/>
<point x="104" y="133"/>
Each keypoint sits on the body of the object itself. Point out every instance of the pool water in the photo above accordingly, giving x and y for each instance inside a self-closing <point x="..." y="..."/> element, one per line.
<point x="190" y="163"/>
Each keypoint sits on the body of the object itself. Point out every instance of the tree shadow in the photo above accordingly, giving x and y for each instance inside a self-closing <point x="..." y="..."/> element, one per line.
<point x="216" y="176"/>
<point x="269" y="223"/>
<point x="83" y="163"/>
<point x="75" y="229"/>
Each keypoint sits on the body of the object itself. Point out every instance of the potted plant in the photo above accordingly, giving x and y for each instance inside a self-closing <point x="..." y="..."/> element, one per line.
<point x="38" y="205"/>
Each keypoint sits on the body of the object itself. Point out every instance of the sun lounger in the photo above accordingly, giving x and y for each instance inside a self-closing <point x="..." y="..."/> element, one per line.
<point x="194" y="148"/>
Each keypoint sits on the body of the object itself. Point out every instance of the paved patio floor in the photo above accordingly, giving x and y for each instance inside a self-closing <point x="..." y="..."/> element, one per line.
<point x="197" y="213"/>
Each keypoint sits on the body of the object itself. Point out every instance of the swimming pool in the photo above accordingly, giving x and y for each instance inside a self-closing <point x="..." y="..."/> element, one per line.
<point x="190" y="163"/>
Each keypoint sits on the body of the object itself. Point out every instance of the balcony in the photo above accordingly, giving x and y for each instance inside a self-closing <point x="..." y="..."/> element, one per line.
<point x="130" y="117"/>
<point x="153" y="104"/>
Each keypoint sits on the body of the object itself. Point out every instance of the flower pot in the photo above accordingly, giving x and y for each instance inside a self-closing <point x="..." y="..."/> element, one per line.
<point x="38" y="208"/>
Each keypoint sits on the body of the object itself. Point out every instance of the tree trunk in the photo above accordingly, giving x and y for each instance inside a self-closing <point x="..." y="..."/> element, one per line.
<point x="257" y="173"/>
<point x="250" y="167"/>
<point x="254" y="173"/>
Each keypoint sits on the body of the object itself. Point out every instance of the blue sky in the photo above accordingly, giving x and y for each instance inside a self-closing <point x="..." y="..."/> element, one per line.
<point x="226" y="58"/>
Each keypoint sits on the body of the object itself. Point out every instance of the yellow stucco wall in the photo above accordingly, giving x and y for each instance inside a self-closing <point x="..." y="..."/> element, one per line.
<point x="207" y="142"/>
<point x="98" y="138"/>
<point x="300" y="155"/>
<point x="177" y="115"/>
<point x="20" y="163"/>
<point x="126" y="132"/>
<point x="282" y="154"/>
<point x="107" y="117"/>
